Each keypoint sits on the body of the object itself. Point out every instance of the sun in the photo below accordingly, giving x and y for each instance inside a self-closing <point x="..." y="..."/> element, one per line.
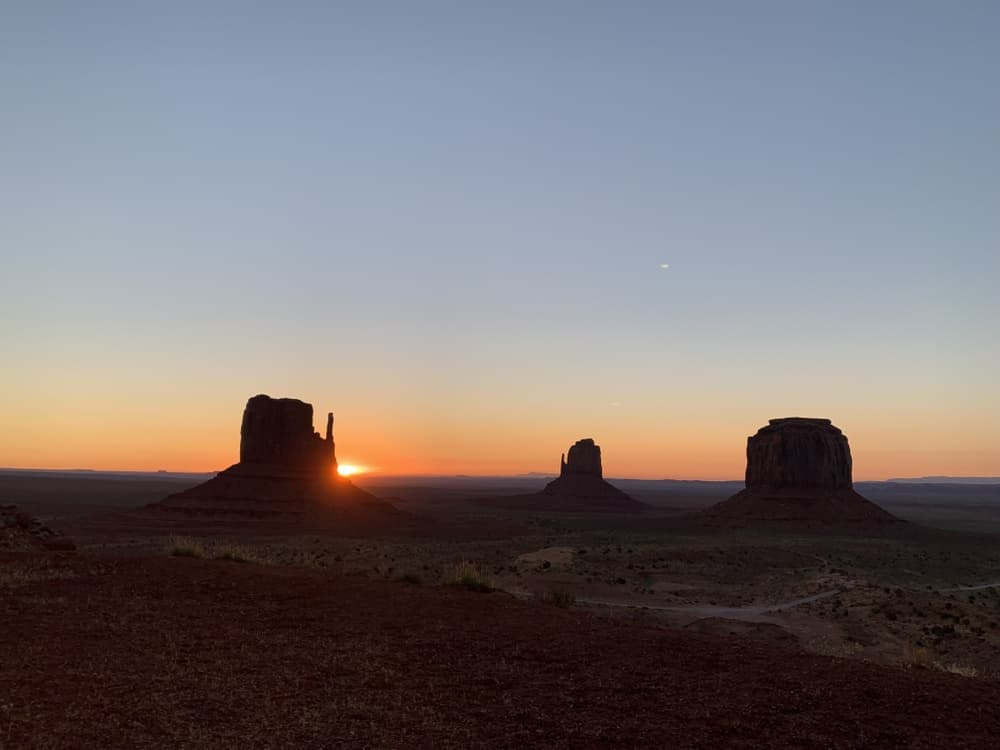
<point x="348" y="470"/>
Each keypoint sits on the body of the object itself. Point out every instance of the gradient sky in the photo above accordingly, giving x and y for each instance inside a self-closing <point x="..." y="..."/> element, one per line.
<point x="446" y="223"/>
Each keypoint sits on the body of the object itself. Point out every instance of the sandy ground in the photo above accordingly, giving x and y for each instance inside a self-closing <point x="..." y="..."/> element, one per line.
<point x="151" y="652"/>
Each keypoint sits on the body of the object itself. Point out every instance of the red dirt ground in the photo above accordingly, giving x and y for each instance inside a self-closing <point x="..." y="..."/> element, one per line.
<point x="183" y="653"/>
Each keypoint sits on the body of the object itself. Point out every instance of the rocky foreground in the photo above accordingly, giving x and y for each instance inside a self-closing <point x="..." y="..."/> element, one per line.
<point x="173" y="652"/>
<point x="22" y="531"/>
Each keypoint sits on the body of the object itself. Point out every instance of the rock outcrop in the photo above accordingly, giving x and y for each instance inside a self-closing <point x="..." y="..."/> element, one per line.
<point x="584" y="459"/>
<point x="285" y="469"/>
<point x="280" y="431"/>
<point x="23" y="532"/>
<point x="799" y="453"/>
<point x="799" y="470"/>
<point x="579" y="487"/>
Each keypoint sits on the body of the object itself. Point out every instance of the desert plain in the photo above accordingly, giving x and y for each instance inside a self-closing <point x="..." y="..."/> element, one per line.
<point x="455" y="623"/>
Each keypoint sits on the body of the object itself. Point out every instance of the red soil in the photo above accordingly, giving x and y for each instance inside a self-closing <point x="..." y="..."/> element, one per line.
<point x="22" y="531"/>
<point x="163" y="652"/>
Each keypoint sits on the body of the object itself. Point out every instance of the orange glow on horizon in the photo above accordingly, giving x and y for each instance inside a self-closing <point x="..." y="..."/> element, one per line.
<point x="178" y="432"/>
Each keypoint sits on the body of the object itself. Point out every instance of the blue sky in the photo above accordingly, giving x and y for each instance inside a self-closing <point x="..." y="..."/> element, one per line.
<point x="447" y="220"/>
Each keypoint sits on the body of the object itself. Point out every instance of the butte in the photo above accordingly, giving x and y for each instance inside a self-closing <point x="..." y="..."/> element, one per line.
<point x="580" y="487"/>
<point x="799" y="472"/>
<point x="285" y="470"/>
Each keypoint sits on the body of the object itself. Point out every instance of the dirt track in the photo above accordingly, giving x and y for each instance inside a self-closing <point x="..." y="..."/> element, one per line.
<point x="162" y="652"/>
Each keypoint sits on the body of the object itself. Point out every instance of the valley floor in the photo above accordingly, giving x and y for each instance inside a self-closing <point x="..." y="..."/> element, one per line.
<point x="153" y="651"/>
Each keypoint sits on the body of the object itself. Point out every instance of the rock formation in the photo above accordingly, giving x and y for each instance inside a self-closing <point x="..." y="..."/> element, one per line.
<point x="799" y="453"/>
<point x="280" y="431"/>
<point x="584" y="459"/>
<point x="285" y="468"/>
<point x="580" y="486"/>
<point x="23" y="532"/>
<point x="799" y="469"/>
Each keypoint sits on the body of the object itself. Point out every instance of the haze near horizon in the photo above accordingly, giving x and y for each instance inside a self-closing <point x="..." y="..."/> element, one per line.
<point x="479" y="233"/>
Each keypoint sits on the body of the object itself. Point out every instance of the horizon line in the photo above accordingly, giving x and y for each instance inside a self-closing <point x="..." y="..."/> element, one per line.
<point x="519" y="475"/>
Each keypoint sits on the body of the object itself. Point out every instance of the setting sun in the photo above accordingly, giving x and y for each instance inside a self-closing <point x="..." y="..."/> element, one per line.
<point x="347" y="470"/>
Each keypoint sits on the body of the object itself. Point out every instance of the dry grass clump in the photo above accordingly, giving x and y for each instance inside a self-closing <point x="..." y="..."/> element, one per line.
<point x="556" y="598"/>
<point x="234" y="553"/>
<point x="185" y="546"/>
<point x="958" y="669"/>
<point x="469" y="576"/>
<point x="920" y="658"/>
<point x="20" y="573"/>
<point x="917" y="657"/>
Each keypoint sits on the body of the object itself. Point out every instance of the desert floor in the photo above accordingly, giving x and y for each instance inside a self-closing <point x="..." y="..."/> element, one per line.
<point x="602" y="631"/>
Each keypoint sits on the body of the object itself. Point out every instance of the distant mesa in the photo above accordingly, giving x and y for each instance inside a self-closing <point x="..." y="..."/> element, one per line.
<point x="799" y="470"/>
<point x="580" y="486"/>
<point x="581" y="475"/>
<point x="285" y="468"/>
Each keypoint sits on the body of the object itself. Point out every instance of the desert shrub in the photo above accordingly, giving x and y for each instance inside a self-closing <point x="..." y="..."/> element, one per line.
<point x="20" y="573"/>
<point x="958" y="669"/>
<point x="557" y="598"/>
<point x="234" y="553"/>
<point x="469" y="576"/>
<point x="917" y="657"/>
<point x="185" y="546"/>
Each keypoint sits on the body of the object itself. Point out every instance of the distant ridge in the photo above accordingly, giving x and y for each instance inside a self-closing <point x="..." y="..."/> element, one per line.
<point x="102" y="474"/>
<point x="946" y="480"/>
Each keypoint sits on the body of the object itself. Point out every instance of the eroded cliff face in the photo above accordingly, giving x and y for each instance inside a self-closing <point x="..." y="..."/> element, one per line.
<point x="285" y="470"/>
<point x="581" y="485"/>
<point x="584" y="458"/>
<point x="796" y="452"/>
<point x="799" y="471"/>
<point x="280" y="431"/>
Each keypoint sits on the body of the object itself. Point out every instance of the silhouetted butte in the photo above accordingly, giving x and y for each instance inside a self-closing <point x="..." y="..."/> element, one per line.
<point x="285" y="468"/>
<point x="799" y="470"/>
<point x="580" y="486"/>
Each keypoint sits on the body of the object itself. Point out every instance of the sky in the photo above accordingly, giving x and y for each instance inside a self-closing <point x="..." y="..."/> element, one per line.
<point x="480" y="231"/>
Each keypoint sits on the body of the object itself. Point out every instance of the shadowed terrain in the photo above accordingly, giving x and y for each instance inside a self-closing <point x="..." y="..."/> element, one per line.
<point x="664" y="630"/>
<point x="213" y="653"/>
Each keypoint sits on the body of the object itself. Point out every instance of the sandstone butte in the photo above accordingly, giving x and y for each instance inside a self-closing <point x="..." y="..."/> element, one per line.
<point x="580" y="487"/>
<point x="799" y="471"/>
<point x="285" y="469"/>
